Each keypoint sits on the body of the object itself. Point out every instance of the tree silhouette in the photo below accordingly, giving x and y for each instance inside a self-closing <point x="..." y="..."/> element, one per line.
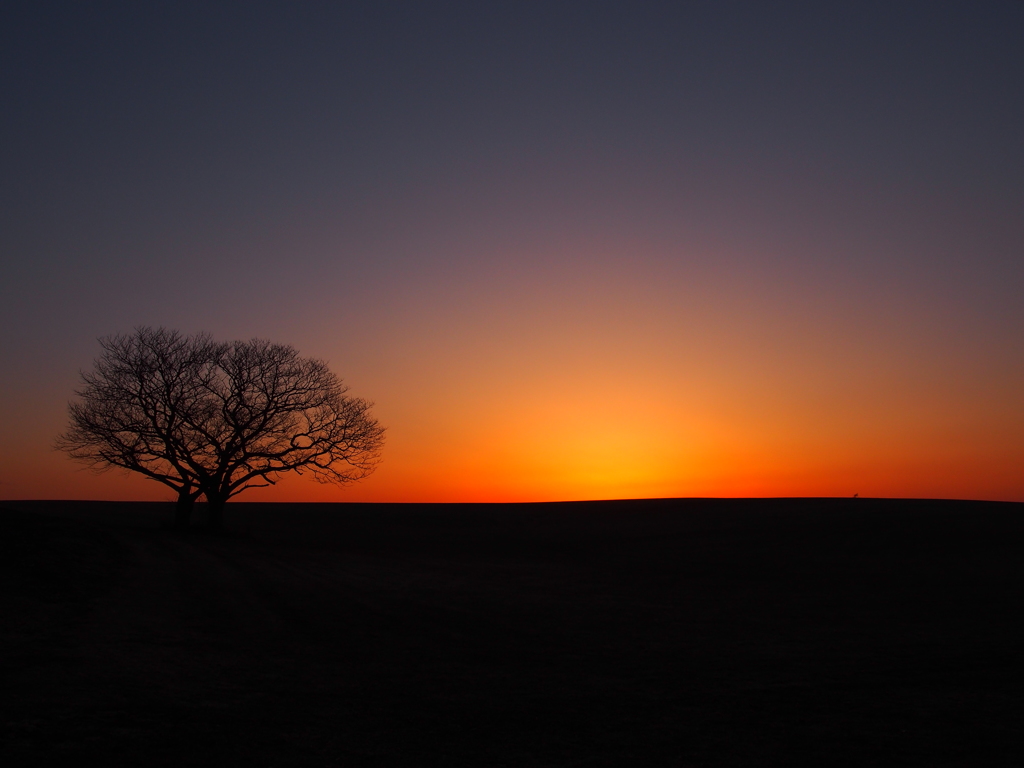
<point x="213" y="419"/>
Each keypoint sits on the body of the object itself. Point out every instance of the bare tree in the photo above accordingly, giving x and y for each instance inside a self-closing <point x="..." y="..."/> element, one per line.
<point x="213" y="419"/>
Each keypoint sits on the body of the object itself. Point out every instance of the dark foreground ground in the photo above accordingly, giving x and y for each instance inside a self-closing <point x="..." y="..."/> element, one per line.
<point x="757" y="632"/>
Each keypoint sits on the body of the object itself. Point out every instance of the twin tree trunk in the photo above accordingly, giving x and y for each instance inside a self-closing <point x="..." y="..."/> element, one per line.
<point x="183" y="509"/>
<point x="186" y="503"/>
<point x="215" y="510"/>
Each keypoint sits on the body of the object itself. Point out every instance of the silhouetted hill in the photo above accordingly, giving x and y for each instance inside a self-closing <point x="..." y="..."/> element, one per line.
<point x="662" y="632"/>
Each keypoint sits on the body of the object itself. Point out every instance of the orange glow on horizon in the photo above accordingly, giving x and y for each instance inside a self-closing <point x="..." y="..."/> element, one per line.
<point x="589" y="434"/>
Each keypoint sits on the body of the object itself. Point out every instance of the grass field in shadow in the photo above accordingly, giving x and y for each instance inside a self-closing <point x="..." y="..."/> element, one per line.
<point x="667" y="632"/>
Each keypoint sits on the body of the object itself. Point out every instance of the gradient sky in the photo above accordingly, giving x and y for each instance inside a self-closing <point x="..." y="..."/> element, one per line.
<point x="571" y="250"/>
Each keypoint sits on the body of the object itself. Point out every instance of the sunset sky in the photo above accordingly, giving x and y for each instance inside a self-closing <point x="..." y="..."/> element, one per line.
<point x="570" y="250"/>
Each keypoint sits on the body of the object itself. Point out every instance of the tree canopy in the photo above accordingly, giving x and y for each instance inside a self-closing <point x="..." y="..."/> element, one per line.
<point x="212" y="419"/>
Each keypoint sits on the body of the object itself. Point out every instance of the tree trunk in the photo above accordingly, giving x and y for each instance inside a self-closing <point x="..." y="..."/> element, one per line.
<point x="215" y="512"/>
<point x="183" y="509"/>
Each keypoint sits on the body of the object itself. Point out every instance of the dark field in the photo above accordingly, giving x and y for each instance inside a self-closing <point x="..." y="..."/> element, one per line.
<point x="756" y="632"/>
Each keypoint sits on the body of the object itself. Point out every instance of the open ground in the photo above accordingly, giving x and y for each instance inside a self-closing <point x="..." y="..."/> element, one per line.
<point x="665" y="632"/>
